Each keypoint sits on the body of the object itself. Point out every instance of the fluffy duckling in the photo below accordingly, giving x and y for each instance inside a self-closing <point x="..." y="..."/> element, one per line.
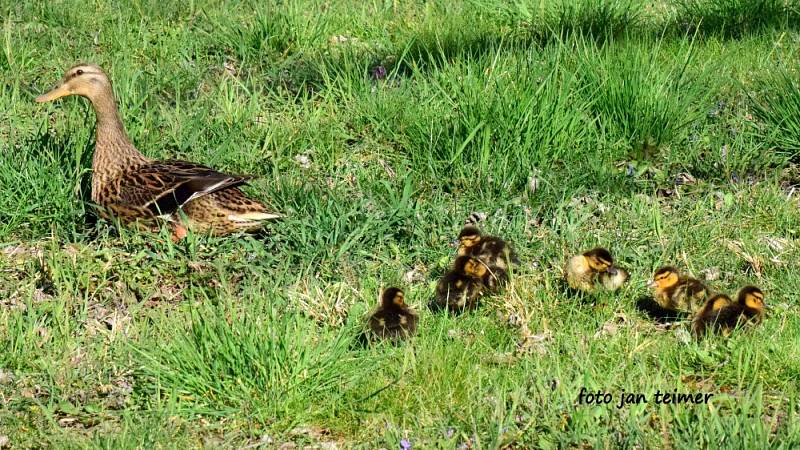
<point x="393" y="319"/>
<point x="460" y="288"/>
<point x="707" y="315"/>
<point x="496" y="254"/>
<point x="677" y="292"/>
<point x="584" y="270"/>
<point x="492" y="250"/>
<point x="748" y="309"/>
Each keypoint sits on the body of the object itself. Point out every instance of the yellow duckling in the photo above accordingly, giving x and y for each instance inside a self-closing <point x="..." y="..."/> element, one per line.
<point x="585" y="270"/>
<point x="677" y="292"/>
<point x="393" y="319"/>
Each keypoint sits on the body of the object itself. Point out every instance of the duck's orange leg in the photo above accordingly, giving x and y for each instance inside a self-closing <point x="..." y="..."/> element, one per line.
<point x="179" y="232"/>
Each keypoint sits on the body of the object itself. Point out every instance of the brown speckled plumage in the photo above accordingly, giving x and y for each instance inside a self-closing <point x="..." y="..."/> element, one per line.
<point x="140" y="191"/>
<point x="677" y="292"/>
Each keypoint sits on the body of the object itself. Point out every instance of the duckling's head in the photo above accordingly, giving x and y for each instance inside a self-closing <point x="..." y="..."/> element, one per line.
<point x="600" y="260"/>
<point x="86" y="80"/>
<point x="469" y="266"/>
<point x="393" y="296"/>
<point x="664" y="278"/>
<point x="751" y="297"/>
<point x="469" y="236"/>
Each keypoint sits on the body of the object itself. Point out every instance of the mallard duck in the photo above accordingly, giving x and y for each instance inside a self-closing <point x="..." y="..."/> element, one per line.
<point x="460" y="288"/>
<point x="585" y="270"/>
<point x="747" y="310"/>
<point x="494" y="252"/>
<point x="707" y="315"/>
<point x="141" y="191"/>
<point x="677" y="292"/>
<point x="393" y="319"/>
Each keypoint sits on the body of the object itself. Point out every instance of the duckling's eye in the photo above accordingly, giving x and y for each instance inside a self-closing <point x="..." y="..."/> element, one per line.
<point x="79" y="72"/>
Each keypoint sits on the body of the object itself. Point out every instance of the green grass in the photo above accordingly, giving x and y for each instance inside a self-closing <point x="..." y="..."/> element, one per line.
<point x="114" y="339"/>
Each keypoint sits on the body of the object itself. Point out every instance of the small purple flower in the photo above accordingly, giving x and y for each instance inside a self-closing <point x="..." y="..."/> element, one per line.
<point x="449" y="433"/>
<point x="405" y="444"/>
<point x="379" y="72"/>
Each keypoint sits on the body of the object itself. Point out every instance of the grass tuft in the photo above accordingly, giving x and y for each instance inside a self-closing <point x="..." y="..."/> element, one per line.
<point x="778" y="109"/>
<point x="254" y="363"/>
<point x="641" y="98"/>
<point x="734" y="18"/>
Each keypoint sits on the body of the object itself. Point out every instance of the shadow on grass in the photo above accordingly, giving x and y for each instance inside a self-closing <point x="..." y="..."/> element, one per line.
<point x="656" y="312"/>
<point x="733" y="19"/>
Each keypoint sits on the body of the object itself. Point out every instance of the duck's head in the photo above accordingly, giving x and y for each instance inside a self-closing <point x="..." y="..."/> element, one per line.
<point x="664" y="278"/>
<point x="469" y="236"/>
<point x="86" y="80"/>
<point x="751" y="297"/>
<point x="393" y="296"/>
<point x="600" y="260"/>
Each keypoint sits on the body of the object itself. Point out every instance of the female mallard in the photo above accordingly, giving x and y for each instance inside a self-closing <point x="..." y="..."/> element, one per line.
<point x="136" y="189"/>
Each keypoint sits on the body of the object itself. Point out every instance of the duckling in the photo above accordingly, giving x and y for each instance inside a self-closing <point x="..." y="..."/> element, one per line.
<point x="748" y="309"/>
<point x="707" y="315"/>
<point x="493" y="277"/>
<point x="393" y="319"/>
<point x="460" y="288"/>
<point x="677" y="292"/>
<point x="584" y="270"/>
<point x="496" y="253"/>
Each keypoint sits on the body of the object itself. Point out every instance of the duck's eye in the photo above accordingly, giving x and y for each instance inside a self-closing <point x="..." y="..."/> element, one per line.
<point x="79" y="72"/>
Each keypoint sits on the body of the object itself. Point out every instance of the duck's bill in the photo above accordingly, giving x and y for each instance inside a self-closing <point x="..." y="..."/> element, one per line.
<point x="651" y="284"/>
<point x="55" y="94"/>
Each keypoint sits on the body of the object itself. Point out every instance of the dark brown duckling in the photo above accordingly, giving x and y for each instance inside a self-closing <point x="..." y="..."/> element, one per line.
<point x="496" y="254"/>
<point x="460" y="288"/>
<point x="747" y="310"/>
<point x="393" y="319"/>
<point x="707" y="315"/>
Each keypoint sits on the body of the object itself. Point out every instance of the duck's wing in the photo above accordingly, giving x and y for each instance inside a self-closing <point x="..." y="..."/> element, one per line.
<point x="161" y="187"/>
